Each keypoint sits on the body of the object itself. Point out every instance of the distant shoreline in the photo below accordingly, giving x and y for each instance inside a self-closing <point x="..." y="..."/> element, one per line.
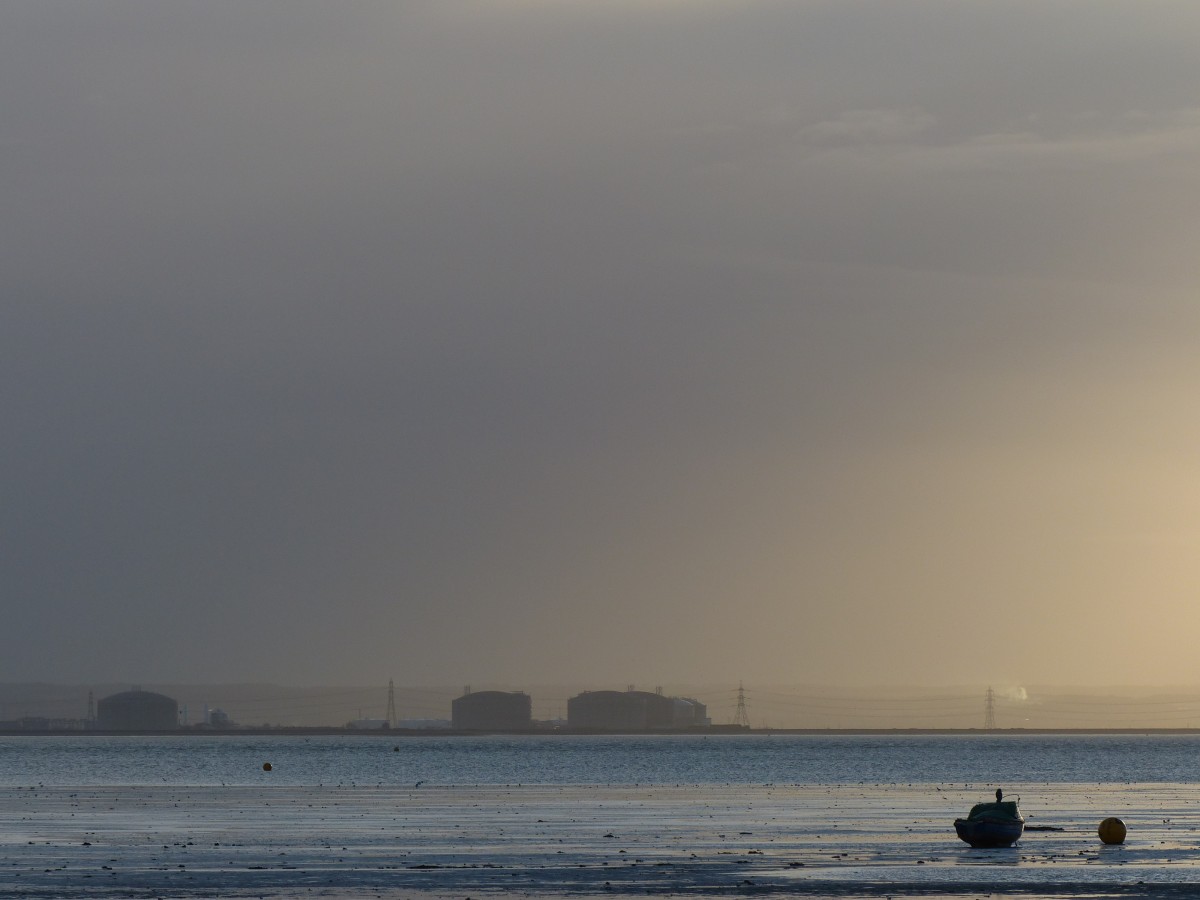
<point x="332" y="731"/>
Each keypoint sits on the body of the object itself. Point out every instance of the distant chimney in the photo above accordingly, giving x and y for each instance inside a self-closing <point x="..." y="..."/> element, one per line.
<point x="658" y="690"/>
<point x="466" y="690"/>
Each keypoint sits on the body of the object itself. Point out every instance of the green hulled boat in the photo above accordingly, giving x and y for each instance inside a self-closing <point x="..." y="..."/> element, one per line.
<point x="998" y="824"/>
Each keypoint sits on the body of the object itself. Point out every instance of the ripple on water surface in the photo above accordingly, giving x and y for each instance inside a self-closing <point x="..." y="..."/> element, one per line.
<point x="573" y="759"/>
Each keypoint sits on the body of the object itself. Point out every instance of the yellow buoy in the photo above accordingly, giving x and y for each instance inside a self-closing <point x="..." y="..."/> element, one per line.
<point x="267" y="768"/>
<point x="1112" y="831"/>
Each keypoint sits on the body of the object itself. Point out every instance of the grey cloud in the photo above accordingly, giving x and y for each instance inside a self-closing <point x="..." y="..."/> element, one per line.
<point x="871" y="126"/>
<point x="341" y="342"/>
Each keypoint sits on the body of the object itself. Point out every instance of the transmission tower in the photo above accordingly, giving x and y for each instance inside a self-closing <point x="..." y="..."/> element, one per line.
<point x="989" y="710"/>
<point x="391" y="710"/>
<point x="741" y="717"/>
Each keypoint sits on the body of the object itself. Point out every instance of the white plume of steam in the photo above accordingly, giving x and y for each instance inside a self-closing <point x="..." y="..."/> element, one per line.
<point x="1017" y="694"/>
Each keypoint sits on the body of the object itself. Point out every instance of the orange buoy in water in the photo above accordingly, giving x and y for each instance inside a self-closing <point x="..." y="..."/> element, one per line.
<point x="1112" y="831"/>
<point x="266" y="767"/>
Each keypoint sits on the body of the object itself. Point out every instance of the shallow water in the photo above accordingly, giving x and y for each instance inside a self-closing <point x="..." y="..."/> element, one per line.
<point x="845" y="840"/>
<point x="97" y="817"/>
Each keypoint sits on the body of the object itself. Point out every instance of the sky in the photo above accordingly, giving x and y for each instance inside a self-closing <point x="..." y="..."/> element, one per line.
<point x="634" y="342"/>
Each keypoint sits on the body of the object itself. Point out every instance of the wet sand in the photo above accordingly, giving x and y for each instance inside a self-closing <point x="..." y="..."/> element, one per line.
<point x="544" y="841"/>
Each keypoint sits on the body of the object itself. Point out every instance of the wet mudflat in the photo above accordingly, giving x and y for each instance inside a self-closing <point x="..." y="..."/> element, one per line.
<point x="879" y="840"/>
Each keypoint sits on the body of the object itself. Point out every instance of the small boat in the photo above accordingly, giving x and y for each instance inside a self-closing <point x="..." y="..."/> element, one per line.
<point x="998" y="824"/>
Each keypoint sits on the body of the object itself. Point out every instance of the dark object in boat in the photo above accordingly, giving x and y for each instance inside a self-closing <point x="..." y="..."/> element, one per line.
<point x="997" y="824"/>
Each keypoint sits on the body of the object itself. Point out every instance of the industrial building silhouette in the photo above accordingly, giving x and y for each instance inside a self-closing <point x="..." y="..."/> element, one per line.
<point x="634" y="711"/>
<point x="137" y="710"/>
<point x="492" y="711"/>
<point x="629" y="710"/>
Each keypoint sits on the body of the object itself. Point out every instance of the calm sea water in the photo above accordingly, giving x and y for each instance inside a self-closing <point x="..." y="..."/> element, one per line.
<point x="577" y="760"/>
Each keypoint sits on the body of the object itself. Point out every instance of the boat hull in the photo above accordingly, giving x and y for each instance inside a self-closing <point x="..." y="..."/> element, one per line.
<point x="987" y="831"/>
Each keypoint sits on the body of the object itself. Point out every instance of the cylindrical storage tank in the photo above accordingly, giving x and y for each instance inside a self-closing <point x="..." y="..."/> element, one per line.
<point x="137" y="711"/>
<point x="493" y="711"/>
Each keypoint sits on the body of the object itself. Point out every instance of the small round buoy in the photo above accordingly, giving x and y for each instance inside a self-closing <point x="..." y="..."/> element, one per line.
<point x="266" y="767"/>
<point x="1112" y="831"/>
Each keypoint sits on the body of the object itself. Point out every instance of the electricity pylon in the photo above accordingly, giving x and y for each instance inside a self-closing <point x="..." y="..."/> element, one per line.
<point x="741" y="717"/>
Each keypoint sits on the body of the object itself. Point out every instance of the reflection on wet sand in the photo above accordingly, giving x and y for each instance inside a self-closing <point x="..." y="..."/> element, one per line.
<point x="815" y="840"/>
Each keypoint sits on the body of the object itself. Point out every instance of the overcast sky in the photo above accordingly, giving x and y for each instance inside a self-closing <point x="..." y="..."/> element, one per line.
<point x="634" y="341"/>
